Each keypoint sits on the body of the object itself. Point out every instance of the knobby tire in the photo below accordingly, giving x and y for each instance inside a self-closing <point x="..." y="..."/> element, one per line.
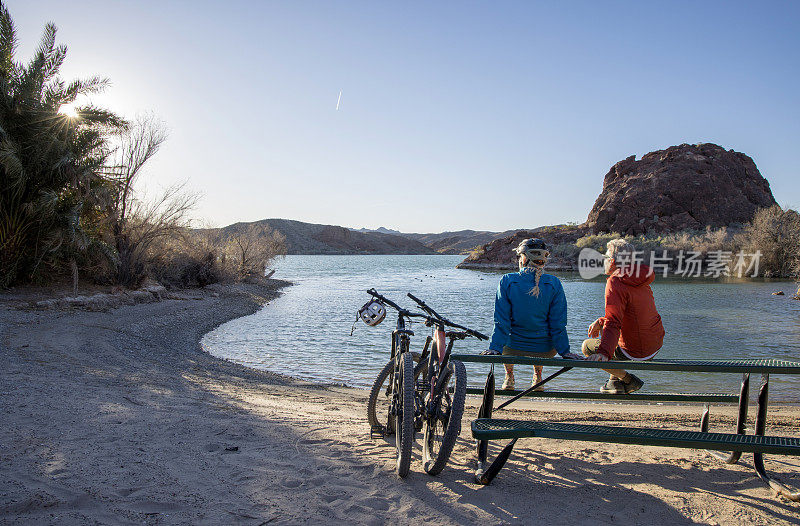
<point x="380" y="401"/>
<point x="446" y="423"/>
<point x="404" y="420"/>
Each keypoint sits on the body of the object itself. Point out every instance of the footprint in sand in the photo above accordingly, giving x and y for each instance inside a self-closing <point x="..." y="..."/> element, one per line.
<point x="292" y="483"/>
<point x="376" y="503"/>
<point x="126" y="492"/>
<point x="330" y="497"/>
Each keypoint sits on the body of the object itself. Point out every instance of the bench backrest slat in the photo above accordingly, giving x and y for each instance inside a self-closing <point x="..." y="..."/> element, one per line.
<point x="639" y="397"/>
<point x="770" y="366"/>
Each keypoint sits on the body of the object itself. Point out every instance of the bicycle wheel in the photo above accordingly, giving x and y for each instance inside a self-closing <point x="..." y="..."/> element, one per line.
<point x="443" y="428"/>
<point x="404" y="418"/>
<point x="380" y="401"/>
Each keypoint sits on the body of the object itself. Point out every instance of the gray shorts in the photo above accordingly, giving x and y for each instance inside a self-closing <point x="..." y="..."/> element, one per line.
<point x="508" y="351"/>
<point x="592" y="345"/>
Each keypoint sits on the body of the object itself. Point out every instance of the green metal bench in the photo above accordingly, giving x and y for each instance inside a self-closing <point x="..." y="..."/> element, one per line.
<point x="633" y="397"/>
<point x="486" y="428"/>
<point x="496" y="429"/>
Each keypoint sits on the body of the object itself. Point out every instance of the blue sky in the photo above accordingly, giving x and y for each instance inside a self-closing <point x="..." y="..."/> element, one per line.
<point x="483" y="115"/>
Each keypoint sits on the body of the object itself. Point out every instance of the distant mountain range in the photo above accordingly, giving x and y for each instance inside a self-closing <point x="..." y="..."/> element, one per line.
<point x="310" y="238"/>
<point x="459" y="242"/>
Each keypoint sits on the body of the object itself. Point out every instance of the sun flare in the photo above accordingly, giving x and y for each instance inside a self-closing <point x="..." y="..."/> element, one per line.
<point x="68" y="110"/>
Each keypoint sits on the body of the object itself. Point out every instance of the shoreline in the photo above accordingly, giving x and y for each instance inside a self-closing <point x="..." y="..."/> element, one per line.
<point x="120" y="417"/>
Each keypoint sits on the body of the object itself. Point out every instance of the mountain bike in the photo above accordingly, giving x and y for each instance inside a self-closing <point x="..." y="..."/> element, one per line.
<point x="437" y="388"/>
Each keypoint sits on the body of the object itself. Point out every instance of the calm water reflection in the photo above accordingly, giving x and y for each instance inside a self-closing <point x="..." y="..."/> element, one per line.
<point x="306" y="332"/>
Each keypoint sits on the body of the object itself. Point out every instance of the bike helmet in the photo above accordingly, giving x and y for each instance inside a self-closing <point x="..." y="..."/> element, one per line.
<point x="534" y="249"/>
<point x="372" y="313"/>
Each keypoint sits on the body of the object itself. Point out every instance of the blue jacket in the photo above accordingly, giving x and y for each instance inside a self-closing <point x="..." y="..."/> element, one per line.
<point x="528" y="323"/>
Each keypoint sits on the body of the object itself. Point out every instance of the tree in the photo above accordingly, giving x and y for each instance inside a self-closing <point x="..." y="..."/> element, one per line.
<point x="51" y="161"/>
<point x="135" y="224"/>
<point x="252" y="247"/>
<point x="775" y="233"/>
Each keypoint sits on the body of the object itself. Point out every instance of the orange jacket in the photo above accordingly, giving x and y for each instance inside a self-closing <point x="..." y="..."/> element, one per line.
<point x="631" y="319"/>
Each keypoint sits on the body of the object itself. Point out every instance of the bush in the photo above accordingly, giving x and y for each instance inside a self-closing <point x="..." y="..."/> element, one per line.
<point x="567" y="251"/>
<point x="597" y="241"/>
<point x="776" y="234"/>
<point x="184" y="270"/>
<point x="185" y="261"/>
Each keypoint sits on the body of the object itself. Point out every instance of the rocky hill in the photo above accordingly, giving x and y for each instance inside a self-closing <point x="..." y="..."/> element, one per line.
<point x="310" y="238"/>
<point x="682" y="187"/>
<point x="499" y="253"/>
<point x="685" y="187"/>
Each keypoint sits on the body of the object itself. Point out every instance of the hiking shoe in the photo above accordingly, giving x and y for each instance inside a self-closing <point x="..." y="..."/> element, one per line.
<point x="633" y="384"/>
<point x="616" y="386"/>
<point x="613" y="386"/>
<point x="508" y="383"/>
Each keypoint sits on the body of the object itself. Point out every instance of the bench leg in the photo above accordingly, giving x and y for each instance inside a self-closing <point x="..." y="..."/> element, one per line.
<point x="486" y="473"/>
<point x="744" y="401"/>
<point x="758" y="458"/>
<point x="485" y="411"/>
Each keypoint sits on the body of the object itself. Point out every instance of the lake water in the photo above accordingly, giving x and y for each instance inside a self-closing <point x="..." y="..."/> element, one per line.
<point x="305" y="333"/>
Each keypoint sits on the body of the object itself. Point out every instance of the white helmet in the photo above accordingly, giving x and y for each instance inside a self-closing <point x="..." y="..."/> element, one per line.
<point x="372" y="313"/>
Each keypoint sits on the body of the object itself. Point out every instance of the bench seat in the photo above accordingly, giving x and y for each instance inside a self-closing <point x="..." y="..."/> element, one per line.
<point x="494" y="429"/>
<point x="652" y="397"/>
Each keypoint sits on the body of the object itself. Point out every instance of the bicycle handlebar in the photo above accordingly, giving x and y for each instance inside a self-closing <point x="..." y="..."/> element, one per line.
<point x="404" y="312"/>
<point x="374" y="294"/>
<point x="432" y="317"/>
<point x="424" y="306"/>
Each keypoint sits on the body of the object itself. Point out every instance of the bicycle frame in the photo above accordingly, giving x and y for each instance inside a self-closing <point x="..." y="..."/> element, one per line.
<point x="437" y="361"/>
<point x="401" y="342"/>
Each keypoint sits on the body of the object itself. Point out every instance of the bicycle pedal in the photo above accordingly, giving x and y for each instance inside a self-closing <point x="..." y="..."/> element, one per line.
<point x="376" y="432"/>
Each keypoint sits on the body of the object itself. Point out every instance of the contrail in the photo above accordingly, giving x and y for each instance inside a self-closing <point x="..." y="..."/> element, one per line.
<point x="339" y="100"/>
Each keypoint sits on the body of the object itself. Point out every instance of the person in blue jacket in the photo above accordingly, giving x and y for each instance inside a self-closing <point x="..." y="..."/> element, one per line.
<point x="530" y="311"/>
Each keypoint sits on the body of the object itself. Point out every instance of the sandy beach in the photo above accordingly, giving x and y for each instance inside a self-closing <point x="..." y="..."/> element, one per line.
<point x="120" y="417"/>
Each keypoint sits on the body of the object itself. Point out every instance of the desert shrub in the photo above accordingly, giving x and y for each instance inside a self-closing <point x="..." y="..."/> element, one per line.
<point x="152" y="227"/>
<point x="776" y="234"/>
<point x="250" y="249"/>
<point x="186" y="270"/>
<point x="566" y="251"/>
<point x="196" y="258"/>
<point x="596" y="241"/>
<point x="654" y="244"/>
<point x="186" y="260"/>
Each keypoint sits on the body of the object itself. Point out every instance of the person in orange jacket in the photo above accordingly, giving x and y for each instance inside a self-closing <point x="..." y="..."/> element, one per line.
<point x="631" y="328"/>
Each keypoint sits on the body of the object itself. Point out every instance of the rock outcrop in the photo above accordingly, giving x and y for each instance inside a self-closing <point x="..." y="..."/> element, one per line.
<point x="499" y="255"/>
<point x="682" y="187"/>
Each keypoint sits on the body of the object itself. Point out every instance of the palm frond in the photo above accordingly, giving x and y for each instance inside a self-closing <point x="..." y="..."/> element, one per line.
<point x="90" y="114"/>
<point x="8" y="43"/>
<point x="10" y="161"/>
<point x="85" y="86"/>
